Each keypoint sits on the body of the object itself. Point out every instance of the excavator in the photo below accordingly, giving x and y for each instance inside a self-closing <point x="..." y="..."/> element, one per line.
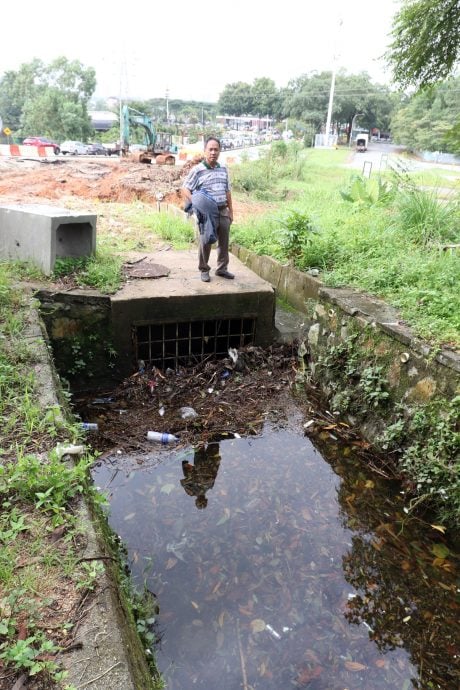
<point x="159" y="146"/>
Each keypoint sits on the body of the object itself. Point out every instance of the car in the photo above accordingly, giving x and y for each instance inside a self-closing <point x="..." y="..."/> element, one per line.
<point x="113" y="149"/>
<point x="42" y="141"/>
<point x="75" y="148"/>
<point x="96" y="150"/>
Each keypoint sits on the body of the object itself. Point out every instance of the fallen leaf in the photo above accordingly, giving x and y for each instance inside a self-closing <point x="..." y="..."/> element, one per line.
<point x="195" y="605"/>
<point x="308" y="674"/>
<point x="221" y="618"/>
<point x="170" y="563"/>
<point x="224" y="517"/>
<point x="58" y="533"/>
<point x="439" y="562"/>
<point x="167" y="488"/>
<point x="440" y="528"/>
<point x="380" y="663"/>
<point x="246" y="611"/>
<point x="440" y="550"/>
<point x="306" y="514"/>
<point x="354" y="666"/>
<point x="257" y="625"/>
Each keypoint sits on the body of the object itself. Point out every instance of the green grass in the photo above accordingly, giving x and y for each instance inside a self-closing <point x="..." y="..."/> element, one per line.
<point x="38" y="495"/>
<point x="389" y="246"/>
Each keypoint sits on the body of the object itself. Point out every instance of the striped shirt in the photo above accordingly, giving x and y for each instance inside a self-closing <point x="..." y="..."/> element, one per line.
<point x="214" y="181"/>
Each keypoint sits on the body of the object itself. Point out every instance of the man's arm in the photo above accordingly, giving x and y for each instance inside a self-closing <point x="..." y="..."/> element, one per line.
<point x="230" y="205"/>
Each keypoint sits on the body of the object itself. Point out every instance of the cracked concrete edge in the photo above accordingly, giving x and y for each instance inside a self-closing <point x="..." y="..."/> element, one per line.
<point x="350" y="300"/>
<point x="111" y="656"/>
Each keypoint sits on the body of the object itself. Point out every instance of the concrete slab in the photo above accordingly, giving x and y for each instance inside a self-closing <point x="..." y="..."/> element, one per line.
<point x="183" y="297"/>
<point x="41" y="234"/>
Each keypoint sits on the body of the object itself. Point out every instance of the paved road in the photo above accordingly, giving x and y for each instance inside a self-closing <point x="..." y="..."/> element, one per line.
<point x="379" y="156"/>
<point x="376" y="158"/>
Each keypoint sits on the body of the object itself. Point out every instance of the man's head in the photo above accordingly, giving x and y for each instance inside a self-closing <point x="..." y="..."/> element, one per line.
<point x="201" y="502"/>
<point x="212" y="151"/>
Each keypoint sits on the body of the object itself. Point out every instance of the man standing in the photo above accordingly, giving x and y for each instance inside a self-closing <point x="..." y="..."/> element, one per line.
<point x="210" y="181"/>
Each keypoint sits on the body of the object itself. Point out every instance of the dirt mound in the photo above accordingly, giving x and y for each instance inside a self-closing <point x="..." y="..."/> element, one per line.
<point x="108" y="180"/>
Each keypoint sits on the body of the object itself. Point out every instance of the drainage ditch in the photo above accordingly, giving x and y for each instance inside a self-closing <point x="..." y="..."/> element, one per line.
<point x="280" y="553"/>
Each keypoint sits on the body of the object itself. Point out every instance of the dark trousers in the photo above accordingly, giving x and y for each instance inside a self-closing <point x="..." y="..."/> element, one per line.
<point x="223" y="235"/>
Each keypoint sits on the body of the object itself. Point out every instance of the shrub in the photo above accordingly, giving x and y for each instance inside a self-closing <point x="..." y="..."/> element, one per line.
<point x="426" y="219"/>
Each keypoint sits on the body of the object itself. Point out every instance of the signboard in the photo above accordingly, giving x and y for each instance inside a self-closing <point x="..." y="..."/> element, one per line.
<point x="7" y="131"/>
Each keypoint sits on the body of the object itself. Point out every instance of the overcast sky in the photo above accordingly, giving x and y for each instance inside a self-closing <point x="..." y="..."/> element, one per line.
<point x="142" y="48"/>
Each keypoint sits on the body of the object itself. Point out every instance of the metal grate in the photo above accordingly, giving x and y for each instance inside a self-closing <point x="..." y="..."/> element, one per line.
<point x="172" y="344"/>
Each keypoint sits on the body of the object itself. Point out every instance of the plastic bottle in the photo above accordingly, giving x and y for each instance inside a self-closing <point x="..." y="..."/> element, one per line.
<point x="160" y="437"/>
<point x="89" y="426"/>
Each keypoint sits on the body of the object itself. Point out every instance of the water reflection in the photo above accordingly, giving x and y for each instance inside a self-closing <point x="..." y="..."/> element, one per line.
<point x="298" y="574"/>
<point x="199" y="478"/>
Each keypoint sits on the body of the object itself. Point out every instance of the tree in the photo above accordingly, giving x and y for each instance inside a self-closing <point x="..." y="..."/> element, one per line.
<point x="53" y="114"/>
<point x="425" y="120"/>
<point x="48" y="99"/>
<point x="266" y="98"/>
<point x="236" y="99"/>
<point x="356" y="94"/>
<point x="307" y="99"/>
<point x="426" y="41"/>
<point x="15" y="89"/>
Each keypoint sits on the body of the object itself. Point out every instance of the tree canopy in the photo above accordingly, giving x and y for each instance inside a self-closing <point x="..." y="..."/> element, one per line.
<point x="49" y="100"/>
<point x="426" y="42"/>
<point x="261" y="98"/>
<point x="306" y="98"/>
<point x="424" y="122"/>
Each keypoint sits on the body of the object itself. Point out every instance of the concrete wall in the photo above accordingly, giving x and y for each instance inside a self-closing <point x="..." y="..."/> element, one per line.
<point x="348" y="331"/>
<point x="79" y="328"/>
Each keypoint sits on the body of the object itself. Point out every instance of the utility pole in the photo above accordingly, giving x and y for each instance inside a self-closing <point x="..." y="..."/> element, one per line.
<point x="329" y="109"/>
<point x="331" y="92"/>
<point x="167" y="105"/>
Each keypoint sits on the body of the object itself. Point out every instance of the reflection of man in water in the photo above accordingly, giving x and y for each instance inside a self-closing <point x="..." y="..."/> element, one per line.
<point x="200" y="477"/>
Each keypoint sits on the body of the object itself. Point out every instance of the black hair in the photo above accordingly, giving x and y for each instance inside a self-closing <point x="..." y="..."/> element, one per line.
<point x="212" y="139"/>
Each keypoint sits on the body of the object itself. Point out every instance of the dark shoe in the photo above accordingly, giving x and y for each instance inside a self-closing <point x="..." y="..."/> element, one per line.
<point x="205" y="276"/>
<point x="225" y="274"/>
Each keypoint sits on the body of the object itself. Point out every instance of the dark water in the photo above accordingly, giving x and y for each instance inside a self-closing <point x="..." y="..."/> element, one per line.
<point x="299" y="572"/>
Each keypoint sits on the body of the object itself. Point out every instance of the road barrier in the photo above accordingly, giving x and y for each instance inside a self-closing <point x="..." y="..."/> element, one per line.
<point x="18" y="150"/>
